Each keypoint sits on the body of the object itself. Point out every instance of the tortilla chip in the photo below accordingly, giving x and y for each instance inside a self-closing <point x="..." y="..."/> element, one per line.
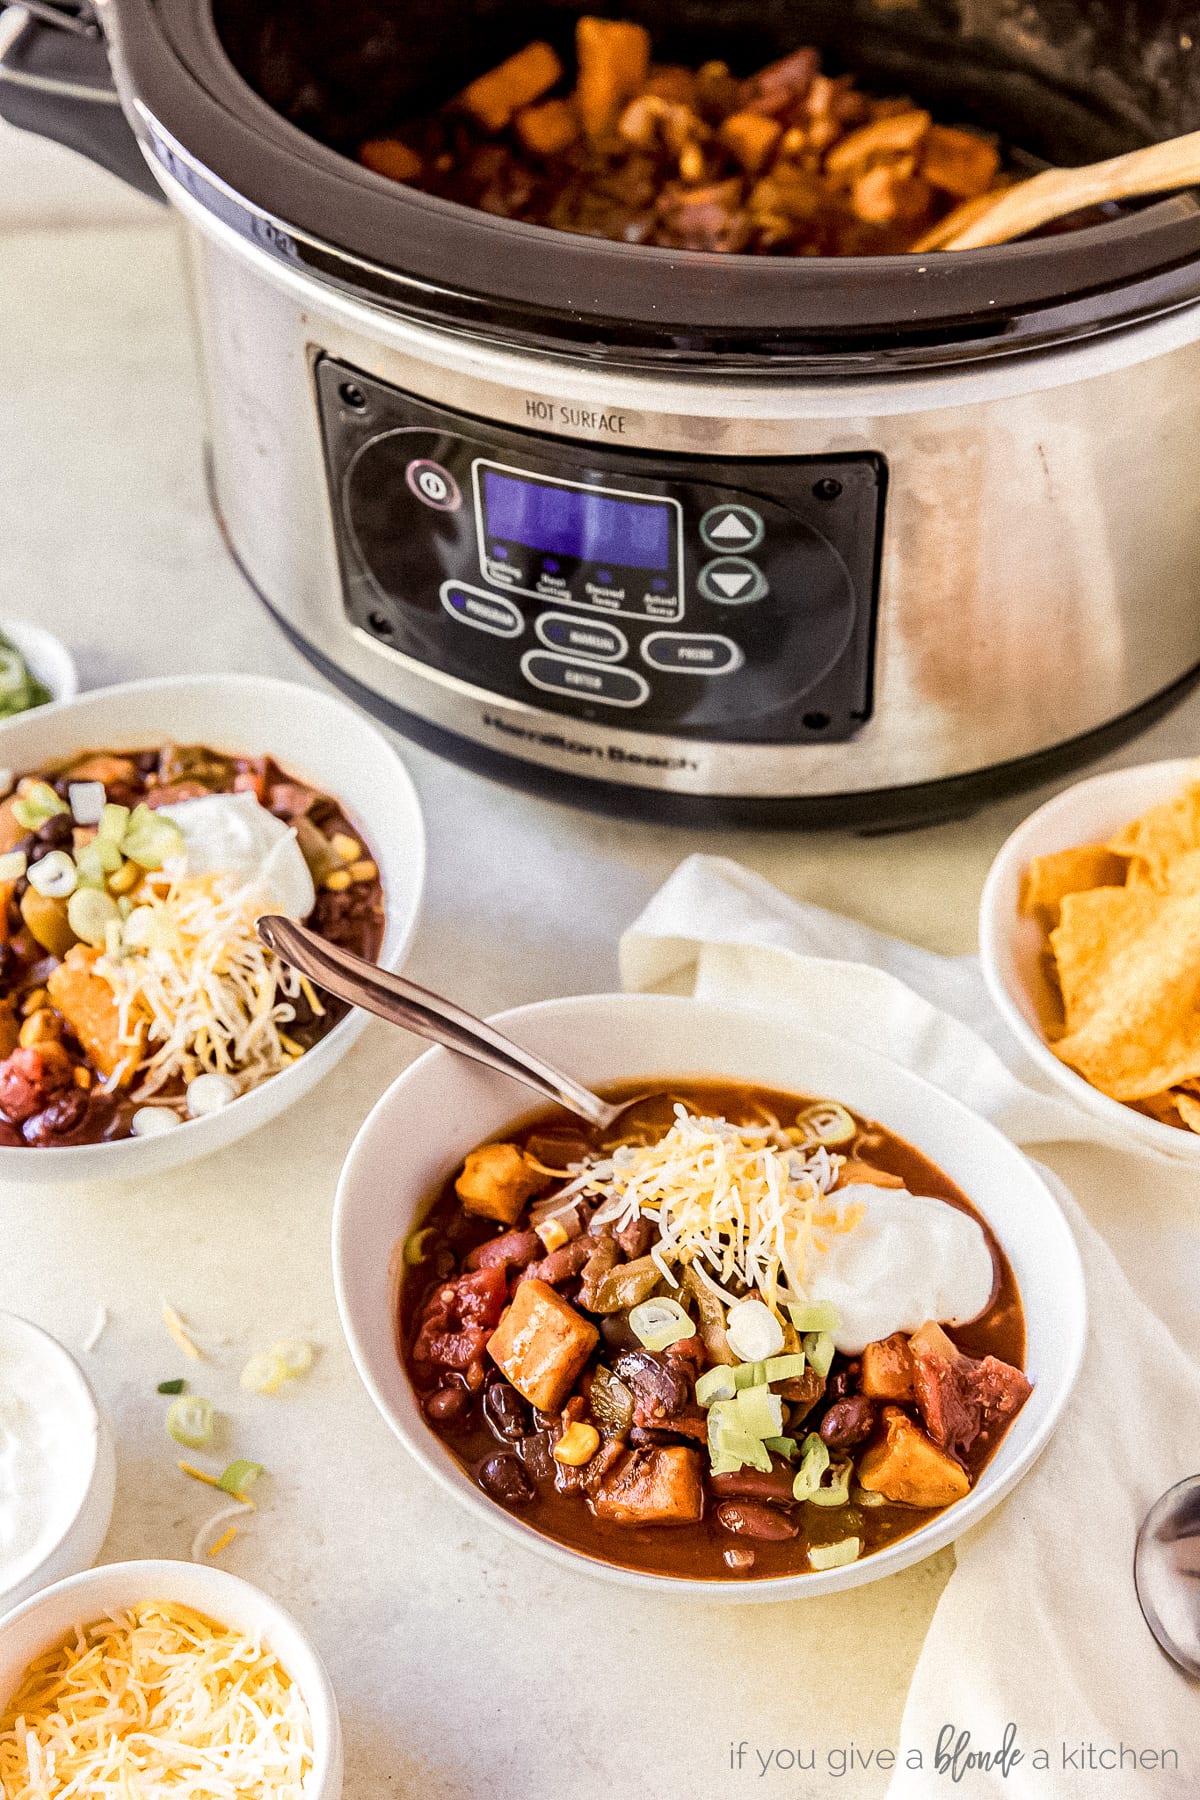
<point x="1189" y="1109"/>
<point x="1048" y="879"/>
<point x="1129" y="967"/>
<point x="1161" y="1107"/>
<point x="1160" y="837"/>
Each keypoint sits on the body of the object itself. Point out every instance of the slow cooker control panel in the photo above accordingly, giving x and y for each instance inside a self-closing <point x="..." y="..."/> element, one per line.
<point x="729" y="600"/>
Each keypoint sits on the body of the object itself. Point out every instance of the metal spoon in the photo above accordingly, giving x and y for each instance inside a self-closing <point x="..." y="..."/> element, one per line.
<point x="1010" y="213"/>
<point x="1166" y="1573"/>
<point x="416" y="1009"/>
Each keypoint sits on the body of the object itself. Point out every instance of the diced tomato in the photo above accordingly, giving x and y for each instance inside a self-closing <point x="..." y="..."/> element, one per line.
<point x="458" y="1319"/>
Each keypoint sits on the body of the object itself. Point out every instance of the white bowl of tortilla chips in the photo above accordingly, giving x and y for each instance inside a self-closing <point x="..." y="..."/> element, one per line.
<point x="1089" y="934"/>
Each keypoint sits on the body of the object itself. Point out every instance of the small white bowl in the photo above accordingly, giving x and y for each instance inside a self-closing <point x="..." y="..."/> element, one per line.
<point x="1011" y="945"/>
<point x="443" y="1105"/>
<point x="45" y="1621"/>
<point x="46" y="656"/>
<point x="311" y="735"/>
<point x="59" y="1423"/>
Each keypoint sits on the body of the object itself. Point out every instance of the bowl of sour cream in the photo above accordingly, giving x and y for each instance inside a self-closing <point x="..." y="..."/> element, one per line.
<point x="57" y="1464"/>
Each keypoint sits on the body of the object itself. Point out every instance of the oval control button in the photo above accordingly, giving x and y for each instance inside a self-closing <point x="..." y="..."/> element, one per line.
<point x="732" y="580"/>
<point x="585" y="637"/>
<point x="486" y="612"/>
<point x="691" y="653"/>
<point x="585" y="681"/>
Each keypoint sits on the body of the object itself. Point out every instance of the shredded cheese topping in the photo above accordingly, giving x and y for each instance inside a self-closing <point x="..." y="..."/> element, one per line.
<point x="159" y="1701"/>
<point x="741" y="1199"/>
<point x="189" y="971"/>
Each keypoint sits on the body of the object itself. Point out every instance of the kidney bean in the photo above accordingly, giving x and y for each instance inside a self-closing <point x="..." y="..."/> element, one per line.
<point x="751" y="1520"/>
<point x="848" y="1422"/>
<point x="503" y="1478"/>
<point x="754" y="1484"/>
<point x="512" y="1248"/>
<point x="447" y="1404"/>
<point x="739" y="1557"/>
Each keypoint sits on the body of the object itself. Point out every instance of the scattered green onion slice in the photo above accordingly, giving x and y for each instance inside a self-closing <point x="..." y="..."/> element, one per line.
<point x="53" y="876"/>
<point x="239" y="1476"/>
<point x="759" y="1411"/>
<point x="12" y="866"/>
<point x="172" y="1387"/>
<point x="295" y="1355"/>
<point x="783" y="1446"/>
<point x="717" y="1383"/>
<point x="819" y="1317"/>
<point x="89" y="866"/>
<point x="90" y="911"/>
<point x="190" y="1421"/>
<point x="417" y="1243"/>
<point x="818" y="1347"/>
<point x="38" y="803"/>
<point x="149" y="838"/>
<point x="826" y="1123"/>
<point x="753" y="1331"/>
<point x="265" y="1373"/>
<point x="749" y="1374"/>
<point x="658" y="1323"/>
<point x="834" y="1556"/>
<point x="112" y="823"/>
<point x="838" y="1491"/>
<point x="784" y="1368"/>
<point x="814" y="1460"/>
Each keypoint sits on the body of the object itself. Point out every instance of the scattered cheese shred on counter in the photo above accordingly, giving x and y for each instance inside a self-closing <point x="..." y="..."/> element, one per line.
<point x="741" y="1198"/>
<point x="159" y="1701"/>
<point x="188" y="969"/>
<point x="179" y="1332"/>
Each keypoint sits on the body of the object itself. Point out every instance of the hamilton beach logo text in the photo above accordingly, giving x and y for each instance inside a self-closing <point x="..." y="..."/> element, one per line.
<point x="569" y="746"/>
<point x="955" y="1756"/>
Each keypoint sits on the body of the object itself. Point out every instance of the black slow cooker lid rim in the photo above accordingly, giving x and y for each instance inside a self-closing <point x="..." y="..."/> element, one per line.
<point x="184" y="80"/>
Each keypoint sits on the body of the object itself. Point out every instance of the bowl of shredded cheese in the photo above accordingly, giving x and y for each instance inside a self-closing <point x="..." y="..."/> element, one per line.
<point x="163" y="1678"/>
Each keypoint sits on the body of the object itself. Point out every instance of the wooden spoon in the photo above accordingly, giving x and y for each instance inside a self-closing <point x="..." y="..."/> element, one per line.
<point x="998" y="217"/>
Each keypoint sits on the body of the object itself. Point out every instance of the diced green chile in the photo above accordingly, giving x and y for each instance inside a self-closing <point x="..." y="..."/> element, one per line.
<point x="627" y="1286"/>
<point x="611" y="1403"/>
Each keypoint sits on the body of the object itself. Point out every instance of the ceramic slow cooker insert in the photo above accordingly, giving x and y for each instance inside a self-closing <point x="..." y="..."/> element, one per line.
<point x="803" y="540"/>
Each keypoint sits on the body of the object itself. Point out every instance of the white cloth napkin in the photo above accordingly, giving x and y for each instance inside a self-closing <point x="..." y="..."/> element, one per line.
<point x="1038" y="1632"/>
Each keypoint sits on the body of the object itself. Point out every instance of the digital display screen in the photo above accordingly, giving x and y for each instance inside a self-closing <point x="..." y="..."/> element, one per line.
<point x="577" y="522"/>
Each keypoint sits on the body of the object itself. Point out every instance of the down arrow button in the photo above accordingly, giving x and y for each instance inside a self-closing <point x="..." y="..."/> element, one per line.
<point x="732" y="580"/>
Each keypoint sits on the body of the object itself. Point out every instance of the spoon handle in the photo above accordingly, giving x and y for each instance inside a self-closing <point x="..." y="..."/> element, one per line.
<point x="403" y="1003"/>
<point x="1156" y="169"/>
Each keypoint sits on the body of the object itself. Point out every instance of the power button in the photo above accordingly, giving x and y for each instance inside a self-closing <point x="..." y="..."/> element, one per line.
<point x="433" y="485"/>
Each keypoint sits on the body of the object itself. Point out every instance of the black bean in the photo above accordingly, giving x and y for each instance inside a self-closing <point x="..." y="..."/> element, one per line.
<point x="537" y="1454"/>
<point x="504" y="1479"/>
<point x="448" y="1404"/>
<point x="505" y="1412"/>
<point x="57" y="831"/>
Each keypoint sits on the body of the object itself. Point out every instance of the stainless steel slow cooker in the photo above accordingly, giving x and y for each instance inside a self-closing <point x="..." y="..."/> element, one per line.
<point x="701" y="536"/>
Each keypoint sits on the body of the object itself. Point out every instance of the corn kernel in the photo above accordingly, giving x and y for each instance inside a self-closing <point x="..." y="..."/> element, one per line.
<point x="126" y="878"/>
<point x="39" y="1028"/>
<point x="34" y="1002"/>
<point x="83" y="1077"/>
<point x="553" y="1233"/>
<point x="337" y="882"/>
<point x="577" y="1445"/>
<point x="363" y="870"/>
<point x="691" y="163"/>
<point x="348" y="848"/>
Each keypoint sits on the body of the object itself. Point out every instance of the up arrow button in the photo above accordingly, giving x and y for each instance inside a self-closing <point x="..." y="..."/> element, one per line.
<point x="732" y="579"/>
<point x="731" y="527"/>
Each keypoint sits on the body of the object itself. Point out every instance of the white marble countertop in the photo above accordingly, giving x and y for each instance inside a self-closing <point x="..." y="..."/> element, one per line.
<point x="463" y="1667"/>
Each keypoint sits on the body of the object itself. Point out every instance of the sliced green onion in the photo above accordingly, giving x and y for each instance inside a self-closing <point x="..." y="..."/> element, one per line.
<point x="295" y="1355"/>
<point x="838" y="1491"/>
<point x="730" y="1446"/>
<point x="149" y="838"/>
<point x="172" y="1387"/>
<point x="814" y="1460"/>
<point x="821" y="1317"/>
<point x="783" y="1446"/>
<point x="753" y="1331"/>
<point x="818" y="1347"/>
<point x="239" y="1476"/>
<point x="835" y="1556"/>
<point x="264" y="1373"/>
<point x="38" y="803"/>
<point x="826" y="1123"/>
<point x="716" y="1384"/>
<point x="89" y="866"/>
<point x="759" y="1411"/>
<point x="86" y="799"/>
<point x="749" y="1374"/>
<point x="53" y="875"/>
<point x="784" y="1368"/>
<point x="190" y="1421"/>
<point x="90" y="911"/>
<point x="112" y="823"/>
<point x="658" y="1323"/>
<point x="13" y="673"/>
<point x="417" y="1244"/>
<point x="12" y="866"/>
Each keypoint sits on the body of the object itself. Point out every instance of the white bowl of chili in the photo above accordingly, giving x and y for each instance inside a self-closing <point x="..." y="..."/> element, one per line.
<point x="317" y="742"/>
<point x="442" y="1107"/>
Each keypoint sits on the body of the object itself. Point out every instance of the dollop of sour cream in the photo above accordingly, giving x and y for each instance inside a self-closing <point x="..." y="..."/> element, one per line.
<point x="906" y="1260"/>
<point x="231" y="834"/>
<point x="48" y="1433"/>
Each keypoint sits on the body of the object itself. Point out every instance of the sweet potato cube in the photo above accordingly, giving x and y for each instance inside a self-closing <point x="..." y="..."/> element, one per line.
<point x="958" y="162"/>
<point x="89" y="1007"/>
<point x="496" y="1181"/>
<point x="887" y="1369"/>
<point x="548" y="129"/>
<point x="11" y="832"/>
<point x="751" y="138"/>
<point x="909" y="1469"/>
<point x="541" y="1345"/>
<point x="614" y="61"/>
<point x="895" y="134"/>
<point x="658" y="1486"/>
<point x="494" y="98"/>
<point x="388" y="156"/>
